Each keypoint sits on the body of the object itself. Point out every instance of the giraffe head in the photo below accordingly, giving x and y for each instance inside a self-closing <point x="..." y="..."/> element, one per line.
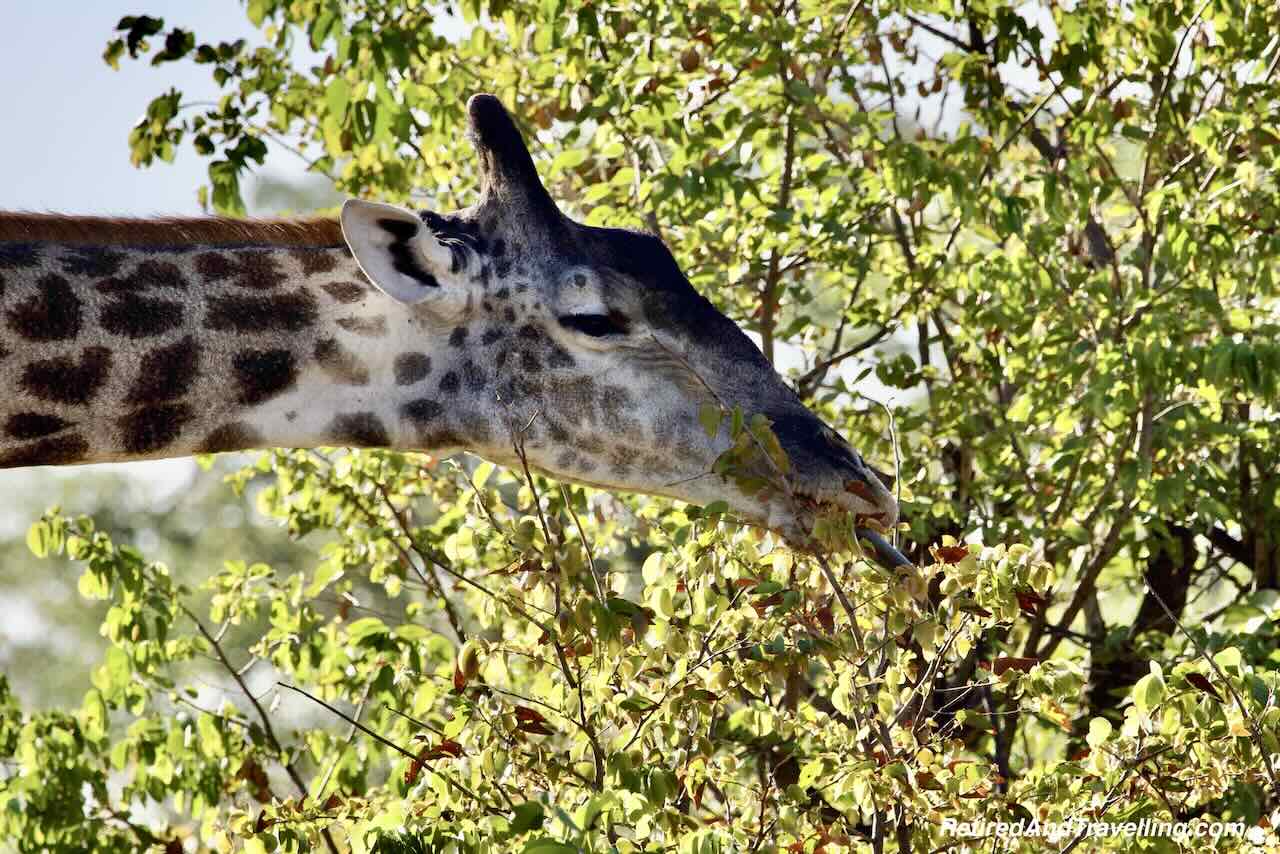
<point x="585" y="348"/>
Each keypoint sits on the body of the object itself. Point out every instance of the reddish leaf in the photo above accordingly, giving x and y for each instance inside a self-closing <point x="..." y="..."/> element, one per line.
<point x="524" y="714"/>
<point x="1080" y="754"/>
<point x="174" y="846"/>
<point x="1005" y="663"/>
<point x="333" y="802"/>
<point x="251" y="772"/>
<point x="745" y="582"/>
<point x="826" y="619"/>
<point x="1030" y="602"/>
<point x="952" y="554"/>
<point x="261" y="824"/>
<point x="415" y="767"/>
<point x="1197" y="680"/>
<point x="535" y="728"/>
<point x="767" y="602"/>
<point x="449" y="747"/>
<point x="459" y="680"/>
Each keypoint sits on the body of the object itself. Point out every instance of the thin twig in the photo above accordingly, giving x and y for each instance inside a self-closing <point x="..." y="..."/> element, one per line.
<point x="351" y="734"/>
<point x="388" y="743"/>
<point x="267" y="729"/>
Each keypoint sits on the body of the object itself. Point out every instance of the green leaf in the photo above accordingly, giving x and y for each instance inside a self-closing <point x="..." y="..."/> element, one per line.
<point x="411" y="633"/>
<point x="654" y="568"/>
<point x="1228" y="658"/>
<point x="716" y="508"/>
<point x="570" y="159"/>
<point x="211" y="743"/>
<point x="224" y="177"/>
<point x="258" y="10"/>
<point x="549" y="846"/>
<point x="481" y="475"/>
<point x="326" y="573"/>
<point x="1148" y="693"/>
<point x="93" y="585"/>
<point x="1099" y="732"/>
<point x="366" y="119"/>
<point x="528" y="816"/>
<point x="94" y="714"/>
<point x="366" y="628"/>
<point x="119" y="669"/>
<point x="337" y="95"/>
<point x="1020" y="409"/>
<point x="115" y="50"/>
<point x="710" y="415"/>
<point x="39" y="538"/>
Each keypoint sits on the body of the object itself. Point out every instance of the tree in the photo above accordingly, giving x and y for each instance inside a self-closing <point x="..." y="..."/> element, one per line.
<point x="1051" y="235"/>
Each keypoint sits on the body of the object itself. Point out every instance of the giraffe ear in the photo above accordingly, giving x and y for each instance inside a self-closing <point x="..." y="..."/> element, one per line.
<point x="399" y="254"/>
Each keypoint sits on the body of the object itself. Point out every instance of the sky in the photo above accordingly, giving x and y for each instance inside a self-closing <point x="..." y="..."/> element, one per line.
<point x="68" y="115"/>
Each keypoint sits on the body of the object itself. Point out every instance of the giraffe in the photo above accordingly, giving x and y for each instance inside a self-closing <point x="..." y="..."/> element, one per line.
<point x="441" y="332"/>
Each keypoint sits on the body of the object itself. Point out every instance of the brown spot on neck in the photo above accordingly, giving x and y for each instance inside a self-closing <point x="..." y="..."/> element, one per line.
<point x="236" y="436"/>
<point x="151" y="428"/>
<point x="169" y="231"/>
<point x="58" y="450"/>
<point x="359" y="430"/>
<point x="341" y="365"/>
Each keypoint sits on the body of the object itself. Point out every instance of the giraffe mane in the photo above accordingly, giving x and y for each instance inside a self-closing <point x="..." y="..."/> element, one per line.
<point x="169" y="231"/>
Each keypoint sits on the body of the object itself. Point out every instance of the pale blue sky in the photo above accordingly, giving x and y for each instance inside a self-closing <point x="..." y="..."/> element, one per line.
<point x="65" y="144"/>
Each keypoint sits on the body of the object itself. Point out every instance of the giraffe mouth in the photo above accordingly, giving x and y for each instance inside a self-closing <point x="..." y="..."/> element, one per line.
<point x="880" y="520"/>
<point x="872" y="506"/>
<point x="868" y="526"/>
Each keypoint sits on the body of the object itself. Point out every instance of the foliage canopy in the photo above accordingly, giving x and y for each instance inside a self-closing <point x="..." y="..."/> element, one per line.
<point x="1049" y="236"/>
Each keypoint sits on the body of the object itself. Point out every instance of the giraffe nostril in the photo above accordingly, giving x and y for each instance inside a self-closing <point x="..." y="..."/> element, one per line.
<point x="861" y="490"/>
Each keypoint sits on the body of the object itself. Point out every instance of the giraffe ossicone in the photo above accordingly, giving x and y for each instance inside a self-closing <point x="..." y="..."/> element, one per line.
<point x="135" y="339"/>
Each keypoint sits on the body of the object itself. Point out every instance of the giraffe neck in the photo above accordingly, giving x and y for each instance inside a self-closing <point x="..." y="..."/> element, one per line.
<point x="119" y="352"/>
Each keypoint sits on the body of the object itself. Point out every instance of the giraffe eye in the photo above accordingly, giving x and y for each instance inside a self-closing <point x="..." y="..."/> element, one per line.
<point x="596" y="325"/>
